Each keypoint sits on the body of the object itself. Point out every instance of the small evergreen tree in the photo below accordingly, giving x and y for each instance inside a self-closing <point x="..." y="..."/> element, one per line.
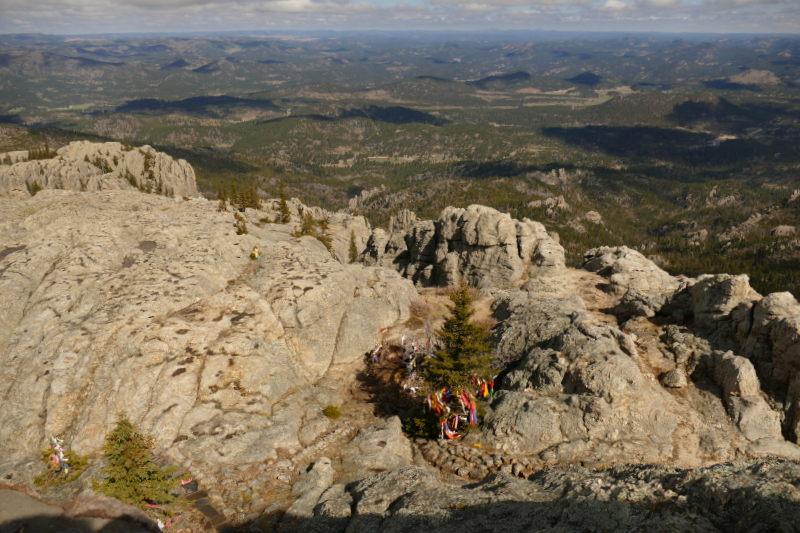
<point x="284" y="215"/>
<point x="465" y="352"/>
<point x="222" y="194"/>
<point x="234" y="198"/>
<point x="253" y="201"/>
<point x="325" y="239"/>
<point x="131" y="476"/>
<point x="33" y="187"/>
<point x="353" y="247"/>
<point x="307" y="227"/>
<point x="241" y="224"/>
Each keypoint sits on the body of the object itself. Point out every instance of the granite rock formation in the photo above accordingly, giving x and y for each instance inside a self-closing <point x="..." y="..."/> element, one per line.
<point x="23" y="509"/>
<point x="621" y="388"/>
<point x="478" y="244"/>
<point x="88" y="166"/>
<point x="757" y="495"/>
<point x="122" y="302"/>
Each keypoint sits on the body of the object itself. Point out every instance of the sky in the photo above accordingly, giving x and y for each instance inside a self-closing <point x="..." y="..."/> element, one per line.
<point x="178" y="16"/>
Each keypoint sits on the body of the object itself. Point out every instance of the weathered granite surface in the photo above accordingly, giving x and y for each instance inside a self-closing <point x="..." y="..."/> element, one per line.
<point x="478" y="244"/>
<point x="88" y="166"/>
<point x="122" y="302"/>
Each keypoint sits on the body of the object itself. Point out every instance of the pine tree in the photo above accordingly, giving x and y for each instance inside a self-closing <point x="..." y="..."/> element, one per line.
<point x="353" y="247"/>
<point x="285" y="216"/>
<point x="221" y="192"/>
<point x="131" y="476"/>
<point x="253" y="201"/>
<point x="234" y="199"/>
<point x="465" y="352"/>
<point x="307" y="227"/>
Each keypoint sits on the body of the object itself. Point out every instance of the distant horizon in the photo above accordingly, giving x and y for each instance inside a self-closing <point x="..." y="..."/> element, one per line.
<point x="489" y="32"/>
<point x="160" y="17"/>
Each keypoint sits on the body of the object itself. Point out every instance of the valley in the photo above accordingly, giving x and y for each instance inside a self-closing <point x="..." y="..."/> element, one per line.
<point x="674" y="143"/>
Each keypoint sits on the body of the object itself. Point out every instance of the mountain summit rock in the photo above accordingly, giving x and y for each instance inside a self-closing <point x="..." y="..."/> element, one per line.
<point x="88" y="166"/>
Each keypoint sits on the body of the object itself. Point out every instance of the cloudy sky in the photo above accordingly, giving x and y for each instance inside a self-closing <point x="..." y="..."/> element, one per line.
<point x="105" y="16"/>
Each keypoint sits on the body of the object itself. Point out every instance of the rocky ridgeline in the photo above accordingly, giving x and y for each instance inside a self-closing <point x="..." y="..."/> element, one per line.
<point x="479" y="244"/>
<point x="628" y="399"/>
<point x="87" y="166"/>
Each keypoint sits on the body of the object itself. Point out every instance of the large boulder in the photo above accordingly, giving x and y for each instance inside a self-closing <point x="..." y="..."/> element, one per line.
<point x="782" y="231"/>
<point x="737" y="378"/>
<point x="378" y="447"/>
<point x="575" y="394"/>
<point x="528" y="321"/>
<point x="310" y="488"/>
<point x="714" y="296"/>
<point x="88" y="166"/>
<point x="628" y="269"/>
<point x="585" y="391"/>
<point x="123" y="302"/>
<point x="478" y="244"/>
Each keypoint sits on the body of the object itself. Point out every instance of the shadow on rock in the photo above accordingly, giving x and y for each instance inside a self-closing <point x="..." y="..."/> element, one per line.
<point x="381" y="385"/>
<point x="22" y="511"/>
<point x="756" y="495"/>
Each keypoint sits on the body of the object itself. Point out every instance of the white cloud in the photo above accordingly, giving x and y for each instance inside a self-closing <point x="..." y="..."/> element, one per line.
<point x="741" y="3"/>
<point x="520" y="2"/>
<point x="613" y="5"/>
<point x="90" y="16"/>
<point x="657" y="3"/>
<point x="479" y="7"/>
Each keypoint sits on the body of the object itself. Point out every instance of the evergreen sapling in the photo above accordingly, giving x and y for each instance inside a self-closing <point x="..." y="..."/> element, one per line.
<point x="131" y="476"/>
<point x="465" y="351"/>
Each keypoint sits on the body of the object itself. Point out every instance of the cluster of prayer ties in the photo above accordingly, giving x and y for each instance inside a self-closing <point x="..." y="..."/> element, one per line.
<point x="439" y="403"/>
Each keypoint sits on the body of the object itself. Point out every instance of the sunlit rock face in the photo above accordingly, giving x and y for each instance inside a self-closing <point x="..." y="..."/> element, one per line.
<point x="87" y="166"/>
<point x="123" y="302"/>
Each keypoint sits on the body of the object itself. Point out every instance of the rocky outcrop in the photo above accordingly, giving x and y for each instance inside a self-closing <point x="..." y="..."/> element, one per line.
<point x="23" y="509"/>
<point x="478" y="244"/>
<point x="403" y="221"/>
<point x="742" y="230"/>
<point x="570" y="499"/>
<point x="87" y="166"/>
<point x="585" y="391"/>
<point x="593" y="217"/>
<point x="355" y="203"/>
<point x="752" y="351"/>
<point x="378" y="447"/>
<point x="553" y="205"/>
<point x="782" y="231"/>
<point x="641" y="285"/>
<point x="122" y="302"/>
<point x="696" y="237"/>
<point x="342" y="225"/>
